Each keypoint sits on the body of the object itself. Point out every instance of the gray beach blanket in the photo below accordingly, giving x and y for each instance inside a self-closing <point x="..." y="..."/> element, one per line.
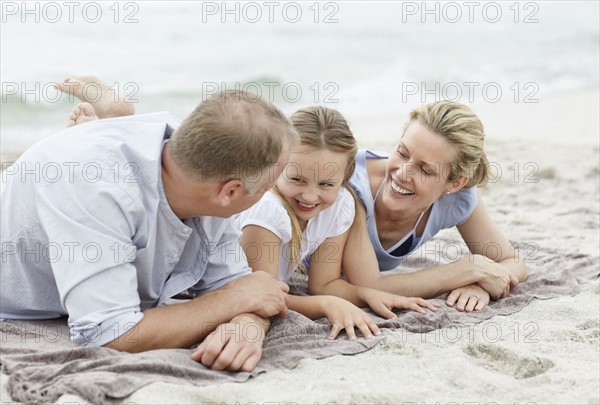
<point x="42" y="364"/>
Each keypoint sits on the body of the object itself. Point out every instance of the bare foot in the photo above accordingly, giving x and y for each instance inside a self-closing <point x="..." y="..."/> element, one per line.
<point x="102" y="98"/>
<point x="84" y="112"/>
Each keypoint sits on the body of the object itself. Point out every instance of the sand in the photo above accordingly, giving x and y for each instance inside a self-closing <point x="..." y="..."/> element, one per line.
<point x="548" y="353"/>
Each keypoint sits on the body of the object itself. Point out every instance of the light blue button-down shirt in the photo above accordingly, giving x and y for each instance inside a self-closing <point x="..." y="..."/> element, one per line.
<point x="87" y="231"/>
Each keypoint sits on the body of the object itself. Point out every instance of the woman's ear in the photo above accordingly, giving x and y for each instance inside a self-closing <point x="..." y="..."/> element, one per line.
<point x="458" y="184"/>
<point x="230" y="191"/>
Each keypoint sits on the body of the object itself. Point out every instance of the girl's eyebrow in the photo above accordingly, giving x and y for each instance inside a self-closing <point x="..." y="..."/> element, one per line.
<point x="424" y="164"/>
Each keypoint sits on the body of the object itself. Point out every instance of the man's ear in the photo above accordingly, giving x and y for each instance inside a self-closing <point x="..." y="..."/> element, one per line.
<point x="229" y="191"/>
<point x="458" y="184"/>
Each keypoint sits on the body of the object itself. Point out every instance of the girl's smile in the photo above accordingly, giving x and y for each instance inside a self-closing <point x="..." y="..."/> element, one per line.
<point x="311" y="181"/>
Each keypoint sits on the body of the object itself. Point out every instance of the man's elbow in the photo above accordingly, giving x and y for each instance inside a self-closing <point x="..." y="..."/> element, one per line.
<point x="132" y="342"/>
<point x="128" y="346"/>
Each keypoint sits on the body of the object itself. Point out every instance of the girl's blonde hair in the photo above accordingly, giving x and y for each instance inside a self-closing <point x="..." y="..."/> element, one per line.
<point x="463" y="129"/>
<point x="321" y="128"/>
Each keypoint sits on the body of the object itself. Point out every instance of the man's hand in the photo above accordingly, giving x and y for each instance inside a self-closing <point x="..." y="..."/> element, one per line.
<point x="235" y="346"/>
<point x="259" y="293"/>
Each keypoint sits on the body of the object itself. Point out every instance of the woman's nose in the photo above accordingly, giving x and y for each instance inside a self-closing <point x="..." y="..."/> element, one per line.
<point x="406" y="171"/>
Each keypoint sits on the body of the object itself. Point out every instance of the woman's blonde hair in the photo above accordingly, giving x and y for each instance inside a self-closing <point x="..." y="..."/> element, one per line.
<point x="321" y="128"/>
<point x="463" y="129"/>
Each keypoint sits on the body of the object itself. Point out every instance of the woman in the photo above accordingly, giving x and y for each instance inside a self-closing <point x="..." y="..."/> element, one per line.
<point x="427" y="183"/>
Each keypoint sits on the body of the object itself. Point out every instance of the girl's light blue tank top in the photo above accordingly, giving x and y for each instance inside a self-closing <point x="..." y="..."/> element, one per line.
<point x="448" y="211"/>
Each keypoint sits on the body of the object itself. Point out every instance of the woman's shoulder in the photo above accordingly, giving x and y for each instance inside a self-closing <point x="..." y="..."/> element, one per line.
<point x="369" y="165"/>
<point x="365" y="156"/>
<point x="375" y="154"/>
<point x="456" y="208"/>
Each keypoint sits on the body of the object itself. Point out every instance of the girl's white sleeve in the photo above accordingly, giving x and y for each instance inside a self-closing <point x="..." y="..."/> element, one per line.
<point x="268" y="213"/>
<point x="343" y="214"/>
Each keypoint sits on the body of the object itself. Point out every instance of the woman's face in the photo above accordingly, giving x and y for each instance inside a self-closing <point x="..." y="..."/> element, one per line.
<point x="417" y="170"/>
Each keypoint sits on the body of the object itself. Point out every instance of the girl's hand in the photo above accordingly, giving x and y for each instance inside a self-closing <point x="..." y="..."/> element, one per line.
<point x="468" y="298"/>
<point x="382" y="303"/>
<point x="344" y="315"/>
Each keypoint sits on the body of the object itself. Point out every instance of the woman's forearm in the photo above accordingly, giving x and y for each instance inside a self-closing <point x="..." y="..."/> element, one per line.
<point x="431" y="282"/>
<point x="516" y="268"/>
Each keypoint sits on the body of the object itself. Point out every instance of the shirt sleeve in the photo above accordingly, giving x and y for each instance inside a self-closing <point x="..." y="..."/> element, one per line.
<point x="466" y="201"/>
<point x="91" y="224"/>
<point x="343" y="216"/>
<point x="226" y="259"/>
<point x="270" y="214"/>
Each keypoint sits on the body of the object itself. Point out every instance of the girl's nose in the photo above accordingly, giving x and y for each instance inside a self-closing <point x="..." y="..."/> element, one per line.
<point x="310" y="196"/>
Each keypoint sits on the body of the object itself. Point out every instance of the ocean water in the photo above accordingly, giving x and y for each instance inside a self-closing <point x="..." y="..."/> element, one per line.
<point x="363" y="58"/>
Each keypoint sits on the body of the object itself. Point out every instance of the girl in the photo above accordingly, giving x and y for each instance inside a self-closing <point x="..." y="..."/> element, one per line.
<point x="306" y="218"/>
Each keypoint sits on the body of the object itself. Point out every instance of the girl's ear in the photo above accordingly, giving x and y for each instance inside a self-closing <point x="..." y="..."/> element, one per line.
<point x="229" y="191"/>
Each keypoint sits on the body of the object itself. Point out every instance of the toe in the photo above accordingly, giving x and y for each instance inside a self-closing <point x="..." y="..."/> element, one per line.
<point x="87" y="109"/>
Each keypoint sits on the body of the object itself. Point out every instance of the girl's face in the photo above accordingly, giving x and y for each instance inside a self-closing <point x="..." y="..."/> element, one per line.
<point x="312" y="179"/>
<point x="417" y="170"/>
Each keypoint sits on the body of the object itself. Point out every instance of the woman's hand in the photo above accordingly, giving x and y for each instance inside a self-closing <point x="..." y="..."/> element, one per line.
<point x="382" y="303"/>
<point x="468" y="298"/>
<point x="344" y="315"/>
<point x="496" y="279"/>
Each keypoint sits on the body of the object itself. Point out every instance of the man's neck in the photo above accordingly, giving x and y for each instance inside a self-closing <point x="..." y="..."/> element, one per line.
<point x="183" y="195"/>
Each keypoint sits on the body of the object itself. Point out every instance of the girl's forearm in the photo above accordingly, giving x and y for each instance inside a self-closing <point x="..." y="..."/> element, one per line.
<point x="342" y="289"/>
<point x="312" y="307"/>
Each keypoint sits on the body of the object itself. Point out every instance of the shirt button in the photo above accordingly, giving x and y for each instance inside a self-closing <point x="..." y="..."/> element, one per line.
<point x="175" y="257"/>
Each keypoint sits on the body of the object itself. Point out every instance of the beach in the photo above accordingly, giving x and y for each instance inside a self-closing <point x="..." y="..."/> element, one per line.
<point x="529" y="70"/>
<point x="545" y="195"/>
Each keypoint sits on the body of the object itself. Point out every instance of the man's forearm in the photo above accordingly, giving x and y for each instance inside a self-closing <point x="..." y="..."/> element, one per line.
<point x="180" y="325"/>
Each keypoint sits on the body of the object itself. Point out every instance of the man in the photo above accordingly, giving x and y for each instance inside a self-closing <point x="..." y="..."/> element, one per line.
<point x="105" y="221"/>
